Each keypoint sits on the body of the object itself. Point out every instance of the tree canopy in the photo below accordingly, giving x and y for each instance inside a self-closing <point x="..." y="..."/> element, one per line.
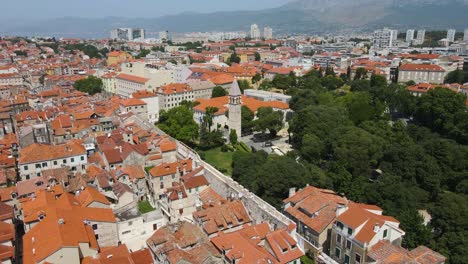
<point x="378" y="144"/>
<point x="218" y="91"/>
<point x="178" y="122"/>
<point x="91" y="85"/>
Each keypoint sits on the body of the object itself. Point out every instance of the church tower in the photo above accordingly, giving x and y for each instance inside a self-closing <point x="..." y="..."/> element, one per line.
<point x="235" y="106"/>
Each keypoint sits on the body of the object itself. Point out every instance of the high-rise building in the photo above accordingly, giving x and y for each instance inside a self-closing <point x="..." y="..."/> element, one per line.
<point x="127" y="33"/>
<point x="255" y="31"/>
<point x="394" y="36"/>
<point x="384" y="38"/>
<point x="451" y="35"/>
<point x="268" y="33"/>
<point x="409" y="35"/>
<point x="465" y="35"/>
<point x="164" y="35"/>
<point x="420" y="37"/>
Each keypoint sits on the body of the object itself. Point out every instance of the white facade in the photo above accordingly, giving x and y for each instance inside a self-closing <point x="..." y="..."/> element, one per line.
<point x="384" y="38"/>
<point x="168" y="101"/>
<point x="409" y="35"/>
<point x="420" y="37"/>
<point x="268" y="33"/>
<point x="158" y="75"/>
<point x="34" y="169"/>
<point x="451" y="35"/>
<point x="127" y="33"/>
<point x="164" y="35"/>
<point x="125" y="87"/>
<point x="153" y="108"/>
<point x="134" y="232"/>
<point x="465" y="35"/>
<point x="255" y="31"/>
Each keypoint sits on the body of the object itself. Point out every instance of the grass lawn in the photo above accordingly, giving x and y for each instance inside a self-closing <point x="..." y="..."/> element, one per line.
<point x="144" y="207"/>
<point x="220" y="160"/>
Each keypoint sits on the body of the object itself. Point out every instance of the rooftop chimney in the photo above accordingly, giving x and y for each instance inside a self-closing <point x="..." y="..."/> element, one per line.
<point x="292" y="191"/>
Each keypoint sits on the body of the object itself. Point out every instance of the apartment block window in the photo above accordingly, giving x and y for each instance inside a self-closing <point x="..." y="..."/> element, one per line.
<point x="348" y="244"/>
<point x="82" y="158"/>
<point x="55" y="162"/>
<point x="64" y="161"/>
<point x="385" y="233"/>
<point x="338" y="238"/>
<point x="95" y="227"/>
<point x="337" y="253"/>
<point x="25" y="168"/>
<point x="72" y="159"/>
<point x="44" y="164"/>
<point x="350" y="231"/>
<point x="357" y="259"/>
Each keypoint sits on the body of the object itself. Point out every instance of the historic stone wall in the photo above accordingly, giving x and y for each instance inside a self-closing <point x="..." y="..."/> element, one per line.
<point x="259" y="210"/>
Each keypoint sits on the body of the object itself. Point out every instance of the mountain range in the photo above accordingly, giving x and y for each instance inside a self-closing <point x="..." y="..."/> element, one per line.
<point x="298" y="16"/>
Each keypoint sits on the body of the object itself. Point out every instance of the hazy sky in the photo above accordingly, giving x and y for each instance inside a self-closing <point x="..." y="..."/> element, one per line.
<point x="126" y="8"/>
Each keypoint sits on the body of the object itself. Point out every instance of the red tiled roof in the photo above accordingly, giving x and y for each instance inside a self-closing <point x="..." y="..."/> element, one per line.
<point x="132" y="102"/>
<point x="421" y="67"/>
<point x="132" y="78"/>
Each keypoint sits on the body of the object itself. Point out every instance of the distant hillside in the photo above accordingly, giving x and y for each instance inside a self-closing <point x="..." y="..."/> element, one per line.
<point x="301" y="16"/>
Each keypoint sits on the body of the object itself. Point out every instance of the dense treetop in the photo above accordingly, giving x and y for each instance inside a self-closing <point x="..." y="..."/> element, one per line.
<point x="377" y="144"/>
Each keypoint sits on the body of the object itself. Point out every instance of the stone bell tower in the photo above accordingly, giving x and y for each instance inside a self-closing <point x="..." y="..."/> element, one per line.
<point x="235" y="106"/>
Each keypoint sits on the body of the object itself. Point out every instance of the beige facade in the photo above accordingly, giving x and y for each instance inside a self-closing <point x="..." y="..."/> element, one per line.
<point x="421" y="73"/>
<point x="109" y="84"/>
<point x="105" y="232"/>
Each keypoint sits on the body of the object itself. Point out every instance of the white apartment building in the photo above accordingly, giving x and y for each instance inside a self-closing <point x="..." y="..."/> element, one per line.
<point x="127" y="33"/>
<point x="11" y="79"/>
<point x="465" y="35"/>
<point x="268" y="33"/>
<point x="409" y="35"/>
<point x="157" y="75"/>
<point x="173" y="94"/>
<point x="451" y="35"/>
<point x="420" y="37"/>
<point x="164" y="35"/>
<point x="201" y="89"/>
<point x="38" y="157"/>
<point x="152" y="104"/>
<point x="255" y="31"/>
<point x="127" y="84"/>
<point x="136" y="106"/>
<point x="384" y="38"/>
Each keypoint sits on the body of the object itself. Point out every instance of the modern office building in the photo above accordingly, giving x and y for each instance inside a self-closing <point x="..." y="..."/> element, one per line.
<point x="127" y="33"/>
